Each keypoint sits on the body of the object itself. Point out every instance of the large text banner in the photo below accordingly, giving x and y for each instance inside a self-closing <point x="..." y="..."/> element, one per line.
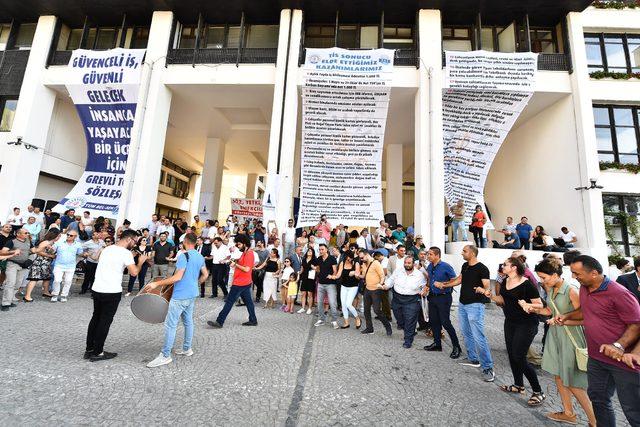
<point x="247" y="209"/>
<point x="345" y="100"/>
<point x="104" y="88"/>
<point x="484" y="93"/>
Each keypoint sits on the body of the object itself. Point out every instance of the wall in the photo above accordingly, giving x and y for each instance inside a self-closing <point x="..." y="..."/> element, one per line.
<point x="232" y="186"/>
<point x="51" y="188"/>
<point x="535" y="173"/>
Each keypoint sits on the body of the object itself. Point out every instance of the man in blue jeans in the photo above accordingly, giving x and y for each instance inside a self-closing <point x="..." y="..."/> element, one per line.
<point x="190" y="272"/>
<point x="474" y="278"/>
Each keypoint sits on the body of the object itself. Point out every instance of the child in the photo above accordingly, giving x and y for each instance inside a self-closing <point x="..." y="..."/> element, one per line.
<point x="292" y="291"/>
<point x="286" y="274"/>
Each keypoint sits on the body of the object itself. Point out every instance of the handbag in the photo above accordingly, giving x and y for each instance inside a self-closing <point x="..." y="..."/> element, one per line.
<point x="24" y="264"/>
<point x="582" y="355"/>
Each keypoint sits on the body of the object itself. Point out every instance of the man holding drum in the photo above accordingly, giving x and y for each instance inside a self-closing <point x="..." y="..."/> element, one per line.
<point x="190" y="272"/>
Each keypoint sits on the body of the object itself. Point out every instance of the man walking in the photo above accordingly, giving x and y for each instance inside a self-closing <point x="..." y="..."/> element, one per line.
<point x="65" y="265"/>
<point x="440" y="302"/>
<point x="374" y="278"/>
<point x="220" y="257"/>
<point x="611" y="319"/>
<point x="407" y="284"/>
<point x="190" y="271"/>
<point x="327" y="269"/>
<point x="161" y="251"/>
<point x="107" y="291"/>
<point x="241" y="286"/>
<point x="17" y="266"/>
<point x="473" y="275"/>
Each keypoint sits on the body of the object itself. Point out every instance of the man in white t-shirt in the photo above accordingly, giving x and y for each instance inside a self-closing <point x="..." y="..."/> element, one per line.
<point x="569" y="237"/>
<point x="289" y="239"/>
<point x="107" y="291"/>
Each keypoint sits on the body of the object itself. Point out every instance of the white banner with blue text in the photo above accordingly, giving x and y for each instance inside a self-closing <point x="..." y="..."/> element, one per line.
<point x="345" y="98"/>
<point x="104" y="88"/>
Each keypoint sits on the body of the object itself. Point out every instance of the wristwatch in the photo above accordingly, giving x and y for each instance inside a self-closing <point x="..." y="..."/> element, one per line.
<point x="618" y="346"/>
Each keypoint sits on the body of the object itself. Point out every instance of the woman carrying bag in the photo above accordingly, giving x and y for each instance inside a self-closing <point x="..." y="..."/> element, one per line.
<point x="565" y="348"/>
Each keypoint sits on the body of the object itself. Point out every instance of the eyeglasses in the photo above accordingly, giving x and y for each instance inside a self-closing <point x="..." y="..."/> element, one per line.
<point x="71" y="235"/>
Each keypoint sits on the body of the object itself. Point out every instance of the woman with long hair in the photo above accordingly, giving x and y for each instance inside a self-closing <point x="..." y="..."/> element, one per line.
<point x="272" y="267"/>
<point x="520" y="327"/>
<point x="348" y="274"/>
<point x="303" y="239"/>
<point x="141" y="247"/>
<point x="40" y="270"/>
<point x="307" y="281"/>
<point x="477" y="224"/>
<point x="559" y="357"/>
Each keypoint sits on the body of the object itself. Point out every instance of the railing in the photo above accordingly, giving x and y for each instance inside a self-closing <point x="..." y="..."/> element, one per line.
<point x="248" y="55"/>
<point x="12" y="66"/>
<point x="60" y="57"/>
<point x="546" y="61"/>
<point x="402" y="57"/>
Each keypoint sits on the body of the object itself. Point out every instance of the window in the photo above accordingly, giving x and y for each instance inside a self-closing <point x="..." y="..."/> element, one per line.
<point x="543" y="40"/>
<point x="457" y="39"/>
<point x="619" y="212"/>
<point x="75" y="36"/>
<point x="139" y="38"/>
<point x="262" y="36"/>
<point x="617" y="133"/>
<point x="398" y="37"/>
<point x="25" y="36"/>
<point x="8" y="109"/>
<point x="348" y="36"/>
<point x="214" y="39"/>
<point x="320" y="36"/>
<point x="5" y="29"/>
<point x="188" y="37"/>
<point x="615" y="53"/>
<point x="106" y="38"/>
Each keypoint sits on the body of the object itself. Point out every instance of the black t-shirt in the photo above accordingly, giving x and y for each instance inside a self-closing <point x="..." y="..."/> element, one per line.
<point x="472" y="276"/>
<point x="4" y="240"/>
<point x="512" y="310"/>
<point x="162" y="252"/>
<point x="326" y="269"/>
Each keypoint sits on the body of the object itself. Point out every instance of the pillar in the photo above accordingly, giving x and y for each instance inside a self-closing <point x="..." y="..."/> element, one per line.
<point x="284" y="118"/>
<point x="429" y="168"/>
<point x="148" y="134"/>
<point x="195" y="186"/>
<point x="211" y="185"/>
<point x="252" y="179"/>
<point x="21" y="167"/>
<point x="588" y="161"/>
<point x="395" y="168"/>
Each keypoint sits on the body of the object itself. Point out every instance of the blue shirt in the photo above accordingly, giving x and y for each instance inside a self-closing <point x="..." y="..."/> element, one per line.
<point x="187" y="287"/>
<point x="66" y="254"/>
<point x="524" y="231"/>
<point x="516" y="240"/>
<point x="441" y="272"/>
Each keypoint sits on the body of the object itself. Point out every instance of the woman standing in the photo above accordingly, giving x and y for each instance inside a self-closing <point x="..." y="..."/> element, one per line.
<point x="140" y="248"/>
<point x="40" y="270"/>
<point x="477" y="224"/>
<point x="272" y="267"/>
<point x="559" y="358"/>
<point x="303" y="239"/>
<point x="349" y="273"/>
<point x="284" y="279"/>
<point x="520" y="327"/>
<point x="308" y="280"/>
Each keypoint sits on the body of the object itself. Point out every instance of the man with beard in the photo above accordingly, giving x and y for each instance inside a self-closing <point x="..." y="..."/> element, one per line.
<point x="107" y="291"/>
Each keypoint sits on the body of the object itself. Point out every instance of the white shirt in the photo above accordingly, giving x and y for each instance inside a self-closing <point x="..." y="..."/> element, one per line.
<point x="511" y="228"/>
<point x="166" y="229"/>
<point x="15" y="219"/>
<point x="407" y="284"/>
<point x="38" y="216"/>
<point x="288" y="271"/>
<point x="364" y="242"/>
<point x="219" y="254"/>
<point x="290" y="235"/>
<point x="113" y="260"/>
<point x="568" y="238"/>
<point x="280" y="251"/>
<point x="87" y="221"/>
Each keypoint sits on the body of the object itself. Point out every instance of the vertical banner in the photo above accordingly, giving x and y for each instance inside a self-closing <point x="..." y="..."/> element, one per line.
<point x="246" y="209"/>
<point x="104" y="88"/>
<point x="484" y="93"/>
<point x="345" y="98"/>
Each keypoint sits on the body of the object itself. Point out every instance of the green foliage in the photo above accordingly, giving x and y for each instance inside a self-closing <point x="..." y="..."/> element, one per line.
<point x="616" y="76"/>
<point x="616" y="218"/>
<point x="629" y="167"/>
<point x="616" y="4"/>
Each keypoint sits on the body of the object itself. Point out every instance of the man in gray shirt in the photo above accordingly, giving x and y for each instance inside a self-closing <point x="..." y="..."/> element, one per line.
<point x="17" y="269"/>
<point x="258" y="275"/>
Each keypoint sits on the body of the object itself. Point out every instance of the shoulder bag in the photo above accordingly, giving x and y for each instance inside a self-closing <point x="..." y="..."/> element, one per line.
<point x="582" y="355"/>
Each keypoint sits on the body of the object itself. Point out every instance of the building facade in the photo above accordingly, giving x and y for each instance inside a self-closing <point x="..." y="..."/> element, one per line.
<point x="219" y="110"/>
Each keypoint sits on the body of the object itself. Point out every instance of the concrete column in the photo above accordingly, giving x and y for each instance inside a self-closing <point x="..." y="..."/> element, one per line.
<point x="252" y="179"/>
<point x="195" y="186"/>
<point x="149" y="129"/>
<point x="588" y="161"/>
<point x="282" y="140"/>
<point x="212" y="179"/>
<point x="395" y="168"/>
<point x="429" y="169"/>
<point x="21" y="167"/>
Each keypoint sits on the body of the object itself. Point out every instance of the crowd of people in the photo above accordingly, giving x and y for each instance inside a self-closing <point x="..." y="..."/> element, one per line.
<point x="341" y="276"/>
<point x="515" y="236"/>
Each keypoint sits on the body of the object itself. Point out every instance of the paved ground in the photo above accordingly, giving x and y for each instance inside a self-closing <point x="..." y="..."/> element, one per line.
<point x="284" y="372"/>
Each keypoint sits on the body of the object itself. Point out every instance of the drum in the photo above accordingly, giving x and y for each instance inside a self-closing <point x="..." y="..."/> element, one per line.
<point x="152" y="305"/>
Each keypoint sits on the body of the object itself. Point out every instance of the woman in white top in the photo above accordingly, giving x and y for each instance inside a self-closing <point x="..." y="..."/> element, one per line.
<point x="284" y="278"/>
<point x="272" y="267"/>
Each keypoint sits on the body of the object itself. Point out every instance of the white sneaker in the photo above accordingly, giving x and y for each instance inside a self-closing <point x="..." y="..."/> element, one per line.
<point x="63" y="299"/>
<point x="185" y="352"/>
<point x="54" y="299"/>
<point x="302" y="310"/>
<point x="319" y="323"/>
<point x="335" y="325"/>
<point x="159" y="361"/>
<point x="309" y="311"/>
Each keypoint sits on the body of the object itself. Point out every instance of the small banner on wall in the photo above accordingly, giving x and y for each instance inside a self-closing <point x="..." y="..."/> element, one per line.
<point x="345" y="99"/>
<point x="484" y="93"/>
<point x="246" y="209"/>
<point x="104" y="88"/>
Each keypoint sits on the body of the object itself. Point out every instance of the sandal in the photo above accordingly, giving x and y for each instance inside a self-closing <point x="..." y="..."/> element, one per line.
<point x="512" y="389"/>
<point x="536" y="399"/>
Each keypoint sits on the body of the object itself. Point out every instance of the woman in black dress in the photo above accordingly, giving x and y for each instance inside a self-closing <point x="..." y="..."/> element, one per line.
<point x="308" y="279"/>
<point x="141" y="248"/>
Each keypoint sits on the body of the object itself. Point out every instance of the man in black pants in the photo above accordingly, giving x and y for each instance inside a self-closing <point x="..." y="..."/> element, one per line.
<point x="107" y="291"/>
<point x="220" y="257"/>
<point x="92" y="249"/>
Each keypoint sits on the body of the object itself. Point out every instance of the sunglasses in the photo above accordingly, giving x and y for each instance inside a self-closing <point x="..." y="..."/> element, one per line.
<point x="71" y="235"/>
